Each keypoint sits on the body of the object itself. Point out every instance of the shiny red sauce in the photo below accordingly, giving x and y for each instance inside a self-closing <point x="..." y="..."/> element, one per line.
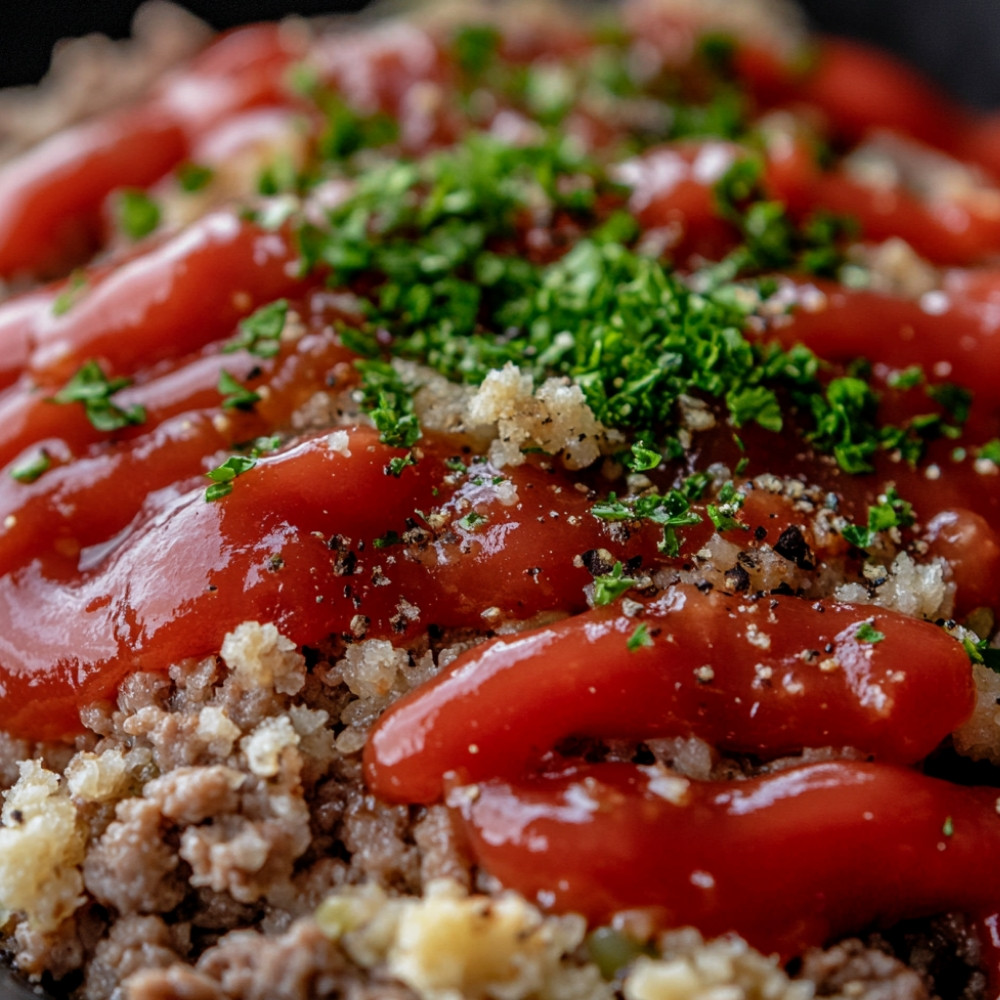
<point x="112" y="561"/>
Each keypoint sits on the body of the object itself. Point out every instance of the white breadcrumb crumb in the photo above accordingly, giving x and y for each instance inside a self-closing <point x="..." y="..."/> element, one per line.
<point x="42" y="846"/>
<point x="920" y="590"/>
<point x="369" y="668"/>
<point x="724" y="969"/>
<point x="338" y="441"/>
<point x="555" y="418"/>
<point x="453" y="946"/>
<point x="217" y="730"/>
<point x="260" y="657"/>
<point x="895" y="268"/>
<point x="264" y="746"/>
<point x="373" y="672"/>
<point x="102" y="777"/>
<point x="979" y="738"/>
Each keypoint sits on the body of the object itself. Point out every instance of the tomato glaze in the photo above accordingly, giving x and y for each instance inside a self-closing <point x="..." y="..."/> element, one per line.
<point x="765" y="677"/>
<point x="50" y="213"/>
<point x="790" y="860"/>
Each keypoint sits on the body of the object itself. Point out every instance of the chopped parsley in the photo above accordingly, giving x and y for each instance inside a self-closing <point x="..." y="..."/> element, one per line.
<point x="137" y="214"/>
<point x="192" y="177"/>
<point x="222" y="476"/>
<point x="260" y="332"/>
<point x="388" y="400"/>
<point x="346" y="130"/>
<point x="983" y="653"/>
<point x="472" y="520"/>
<point x="388" y="540"/>
<point x="91" y="387"/>
<point x="475" y="47"/>
<point x="643" y="458"/>
<point x="432" y="240"/>
<point x="723" y="512"/>
<point x="891" y="512"/>
<point x="610" y="586"/>
<point x="236" y="395"/>
<point x="906" y="378"/>
<point x="772" y="241"/>
<point x="990" y="451"/>
<point x="867" y="633"/>
<point x="671" y="511"/>
<point x="639" y="638"/>
<point x="76" y="285"/>
<point x="31" y="468"/>
<point x="845" y="423"/>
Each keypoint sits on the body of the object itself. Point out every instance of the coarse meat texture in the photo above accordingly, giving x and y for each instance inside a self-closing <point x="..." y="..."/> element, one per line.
<point x="500" y="504"/>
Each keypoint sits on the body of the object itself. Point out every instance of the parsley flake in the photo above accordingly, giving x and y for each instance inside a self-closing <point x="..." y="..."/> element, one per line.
<point x="31" y="468"/>
<point x="991" y="451"/>
<point x="260" y="332"/>
<point x="643" y="458"/>
<point x="222" y="476"/>
<point x="236" y="395"/>
<point x="472" y="520"/>
<point x="868" y="633"/>
<point x="891" y="512"/>
<point x="611" y="586"/>
<point x="983" y="653"/>
<point x="137" y="214"/>
<point x="76" y="285"/>
<point x="91" y="387"/>
<point x="388" y="540"/>
<point x="671" y="511"/>
<point x="723" y="513"/>
<point x="639" y="638"/>
<point x="192" y="177"/>
<point x="388" y="400"/>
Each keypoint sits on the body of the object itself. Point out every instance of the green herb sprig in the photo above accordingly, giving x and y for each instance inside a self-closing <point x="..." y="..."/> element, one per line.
<point x="91" y="387"/>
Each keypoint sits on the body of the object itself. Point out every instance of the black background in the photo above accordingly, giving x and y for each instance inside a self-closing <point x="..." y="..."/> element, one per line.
<point x="955" y="41"/>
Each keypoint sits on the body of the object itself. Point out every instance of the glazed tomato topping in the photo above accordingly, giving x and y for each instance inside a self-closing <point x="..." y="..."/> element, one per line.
<point x="765" y="677"/>
<point x="792" y="859"/>
<point x="50" y="212"/>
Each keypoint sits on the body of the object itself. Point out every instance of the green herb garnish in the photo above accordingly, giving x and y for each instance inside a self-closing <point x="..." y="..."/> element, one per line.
<point x="671" y="511"/>
<point x="868" y="633"/>
<point x="30" y="469"/>
<point x="192" y="177"/>
<point x="639" y="638"/>
<point x="138" y="215"/>
<point x="91" y="387"/>
<point x="236" y="395"/>
<point x="723" y="512"/>
<point x="472" y="520"/>
<point x="260" y="332"/>
<point x="611" y="586"/>
<point x="892" y="512"/>
<point x="76" y="284"/>
<point x="222" y="476"/>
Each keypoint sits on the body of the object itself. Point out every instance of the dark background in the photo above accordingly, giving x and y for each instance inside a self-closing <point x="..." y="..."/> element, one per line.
<point x="955" y="41"/>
